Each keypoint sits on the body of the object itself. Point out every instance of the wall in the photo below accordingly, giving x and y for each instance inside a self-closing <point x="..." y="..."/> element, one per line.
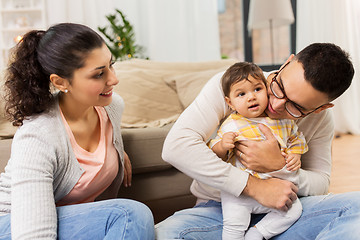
<point x="316" y="23"/>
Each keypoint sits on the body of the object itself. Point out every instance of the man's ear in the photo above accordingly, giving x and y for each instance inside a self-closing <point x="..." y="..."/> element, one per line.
<point x="323" y="107"/>
<point x="60" y="83"/>
<point x="288" y="60"/>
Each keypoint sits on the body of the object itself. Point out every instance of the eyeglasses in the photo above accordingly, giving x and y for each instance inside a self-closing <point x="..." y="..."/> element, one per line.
<point x="279" y="92"/>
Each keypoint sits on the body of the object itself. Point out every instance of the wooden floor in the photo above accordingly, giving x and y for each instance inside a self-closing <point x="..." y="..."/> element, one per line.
<point x="345" y="175"/>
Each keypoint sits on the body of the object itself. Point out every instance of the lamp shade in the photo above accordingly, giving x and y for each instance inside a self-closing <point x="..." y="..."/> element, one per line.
<point x="261" y="12"/>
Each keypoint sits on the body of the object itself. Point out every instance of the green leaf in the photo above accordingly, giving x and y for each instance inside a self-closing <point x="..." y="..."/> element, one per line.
<point x="121" y="37"/>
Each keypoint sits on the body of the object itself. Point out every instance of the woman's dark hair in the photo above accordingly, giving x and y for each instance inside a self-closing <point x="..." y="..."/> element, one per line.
<point x="60" y="50"/>
<point x="327" y="67"/>
<point x="238" y="72"/>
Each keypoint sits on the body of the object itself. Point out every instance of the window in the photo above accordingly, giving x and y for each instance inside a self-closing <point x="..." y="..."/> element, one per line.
<point x="236" y="41"/>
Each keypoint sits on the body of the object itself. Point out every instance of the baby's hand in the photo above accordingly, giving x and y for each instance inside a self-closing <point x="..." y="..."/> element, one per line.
<point x="228" y="140"/>
<point x="293" y="162"/>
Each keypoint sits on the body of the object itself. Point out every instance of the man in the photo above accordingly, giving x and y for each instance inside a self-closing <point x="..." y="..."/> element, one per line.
<point x="302" y="90"/>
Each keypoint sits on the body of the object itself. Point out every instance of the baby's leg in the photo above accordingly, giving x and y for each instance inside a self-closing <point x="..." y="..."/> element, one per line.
<point x="236" y="216"/>
<point x="276" y="222"/>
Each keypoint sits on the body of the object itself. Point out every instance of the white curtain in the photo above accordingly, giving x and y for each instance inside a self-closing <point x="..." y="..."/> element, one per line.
<point x="89" y="12"/>
<point x="336" y="21"/>
<point x="169" y="30"/>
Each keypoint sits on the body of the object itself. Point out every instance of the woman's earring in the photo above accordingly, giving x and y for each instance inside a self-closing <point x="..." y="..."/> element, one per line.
<point x="66" y="91"/>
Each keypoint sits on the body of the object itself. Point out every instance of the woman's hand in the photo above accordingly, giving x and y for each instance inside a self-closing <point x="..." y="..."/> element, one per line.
<point x="261" y="156"/>
<point x="127" y="171"/>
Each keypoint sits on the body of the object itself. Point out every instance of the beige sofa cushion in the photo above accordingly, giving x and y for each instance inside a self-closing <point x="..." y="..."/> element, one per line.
<point x="189" y="85"/>
<point x="155" y="93"/>
<point x="149" y="101"/>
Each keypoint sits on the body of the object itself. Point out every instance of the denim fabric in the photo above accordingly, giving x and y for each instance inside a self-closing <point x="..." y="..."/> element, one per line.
<point x="5" y="230"/>
<point x="110" y="219"/>
<point x="324" y="217"/>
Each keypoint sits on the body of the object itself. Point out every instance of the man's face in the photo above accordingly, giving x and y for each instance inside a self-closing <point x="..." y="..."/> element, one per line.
<point x="297" y="89"/>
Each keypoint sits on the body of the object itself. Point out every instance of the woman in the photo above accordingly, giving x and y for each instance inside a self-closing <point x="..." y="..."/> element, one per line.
<point x="68" y="150"/>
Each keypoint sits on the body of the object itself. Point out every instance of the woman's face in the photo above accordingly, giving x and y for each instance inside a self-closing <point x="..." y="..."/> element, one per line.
<point x="92" y="85"/>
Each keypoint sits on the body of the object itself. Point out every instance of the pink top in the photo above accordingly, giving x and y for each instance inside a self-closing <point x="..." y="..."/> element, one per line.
<point x="100" y="167"/>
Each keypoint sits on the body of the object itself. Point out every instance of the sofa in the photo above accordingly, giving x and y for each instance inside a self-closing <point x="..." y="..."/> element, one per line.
<point x="155" y="94"/>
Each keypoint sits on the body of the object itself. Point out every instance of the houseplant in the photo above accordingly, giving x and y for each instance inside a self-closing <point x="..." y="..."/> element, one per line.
<point x="121" y="37"/>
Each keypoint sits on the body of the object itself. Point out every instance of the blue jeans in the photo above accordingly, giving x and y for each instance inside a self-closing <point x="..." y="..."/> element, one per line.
<point x="110" y="219"/>
<point x="324" y="217"/>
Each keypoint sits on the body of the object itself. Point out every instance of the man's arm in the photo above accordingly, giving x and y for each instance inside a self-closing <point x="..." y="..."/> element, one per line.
<point x="318" y="129"/>
<point x="185" y="145"/>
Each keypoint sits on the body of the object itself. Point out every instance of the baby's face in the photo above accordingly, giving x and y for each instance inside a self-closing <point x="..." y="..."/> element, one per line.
<point x="248" y="97"/>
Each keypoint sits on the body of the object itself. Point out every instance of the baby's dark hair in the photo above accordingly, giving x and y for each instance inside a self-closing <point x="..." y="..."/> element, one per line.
<point x="60" y="50"/>
<point x="238" y="72"/>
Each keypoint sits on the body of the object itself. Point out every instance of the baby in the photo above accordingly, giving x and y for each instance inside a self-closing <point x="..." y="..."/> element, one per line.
<point x="245" y="91"/>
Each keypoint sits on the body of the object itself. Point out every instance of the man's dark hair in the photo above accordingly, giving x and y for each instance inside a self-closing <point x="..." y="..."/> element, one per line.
<point x="327" y="67"/>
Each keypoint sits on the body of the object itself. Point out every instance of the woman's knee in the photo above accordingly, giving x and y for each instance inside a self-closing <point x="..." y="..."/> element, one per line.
<point x="116" y="218"/>
<point x="132" y="219"/>
<point x="140" y="220"/>
<point x="143" y="212"/>
<point x="134" y="209"/>
<point x="5" y="228"/>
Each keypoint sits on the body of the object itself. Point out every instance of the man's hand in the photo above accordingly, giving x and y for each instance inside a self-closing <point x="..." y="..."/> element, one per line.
<point x="260" y="156"/>
<point x="273" y="192"/>
<point x="127" y="171"/>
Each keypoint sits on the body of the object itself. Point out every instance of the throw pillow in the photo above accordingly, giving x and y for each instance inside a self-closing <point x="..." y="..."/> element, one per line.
<point x="149" y="101"/>
<point x="195" y="67"/>
<point x="189" y="85"/>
